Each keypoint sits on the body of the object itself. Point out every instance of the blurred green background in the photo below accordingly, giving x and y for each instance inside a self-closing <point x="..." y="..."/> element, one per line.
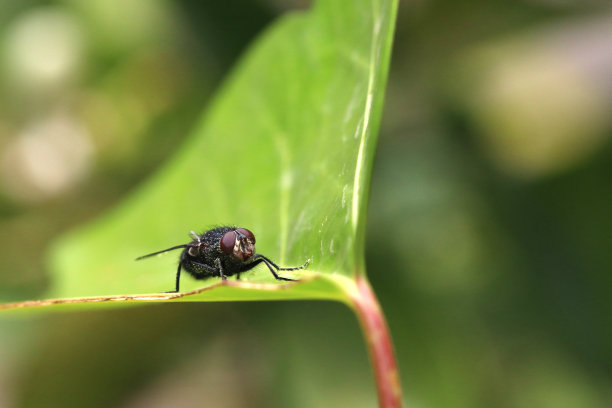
<point x="489" y="228"/>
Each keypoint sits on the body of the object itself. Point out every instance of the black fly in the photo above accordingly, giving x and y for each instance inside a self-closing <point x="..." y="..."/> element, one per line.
<point x="222" y="252"/>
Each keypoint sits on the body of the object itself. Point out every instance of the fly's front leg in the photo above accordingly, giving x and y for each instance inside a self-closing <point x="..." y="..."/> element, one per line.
<point x="271" y="265"/>
<point x="268" y="261"/>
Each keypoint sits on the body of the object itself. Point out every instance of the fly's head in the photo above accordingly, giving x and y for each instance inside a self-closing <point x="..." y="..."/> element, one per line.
<point x="239" y="244"/>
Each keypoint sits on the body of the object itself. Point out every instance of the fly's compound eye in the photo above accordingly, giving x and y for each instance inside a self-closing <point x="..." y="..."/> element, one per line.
<point x="248" y="234"/>
<point x="228" y="241"/>
<point x="193" y="251"/>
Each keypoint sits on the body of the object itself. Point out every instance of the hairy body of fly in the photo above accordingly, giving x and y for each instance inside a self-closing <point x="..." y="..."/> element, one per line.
<point x="222" y="252"/>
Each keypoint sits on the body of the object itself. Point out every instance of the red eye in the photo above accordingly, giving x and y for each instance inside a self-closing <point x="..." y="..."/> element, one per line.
<point x="248" y="234"/>
<point x="228" y="241"/>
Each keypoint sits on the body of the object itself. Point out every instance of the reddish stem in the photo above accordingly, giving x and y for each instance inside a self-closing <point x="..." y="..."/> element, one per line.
<point x="379" y="344"/>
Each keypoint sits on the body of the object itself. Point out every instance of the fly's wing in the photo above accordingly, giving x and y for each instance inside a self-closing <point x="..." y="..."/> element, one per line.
<point x="162" y="251"/>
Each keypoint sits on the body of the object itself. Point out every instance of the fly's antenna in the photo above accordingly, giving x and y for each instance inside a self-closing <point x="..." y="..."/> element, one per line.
<point x="165" y="250"/>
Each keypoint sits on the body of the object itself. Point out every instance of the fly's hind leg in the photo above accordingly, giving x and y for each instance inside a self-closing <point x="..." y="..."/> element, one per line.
<point x="178" y="277"/>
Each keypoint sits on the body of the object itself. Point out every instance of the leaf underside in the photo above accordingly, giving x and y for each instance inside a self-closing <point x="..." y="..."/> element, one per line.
<point x="285" y="150"/>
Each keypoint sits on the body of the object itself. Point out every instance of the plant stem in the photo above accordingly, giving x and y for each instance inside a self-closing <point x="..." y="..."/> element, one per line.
<point x="379" y="345"/>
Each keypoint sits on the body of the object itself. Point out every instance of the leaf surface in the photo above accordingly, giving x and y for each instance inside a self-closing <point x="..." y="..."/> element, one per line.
<point x="285" y="150"/>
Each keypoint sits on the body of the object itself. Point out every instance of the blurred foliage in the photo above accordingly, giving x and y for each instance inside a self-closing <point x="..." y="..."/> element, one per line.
<point x="493" y="268"/>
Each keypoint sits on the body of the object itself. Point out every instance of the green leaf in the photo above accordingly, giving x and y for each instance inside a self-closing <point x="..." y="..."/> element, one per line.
<point x="285" y="150"/>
